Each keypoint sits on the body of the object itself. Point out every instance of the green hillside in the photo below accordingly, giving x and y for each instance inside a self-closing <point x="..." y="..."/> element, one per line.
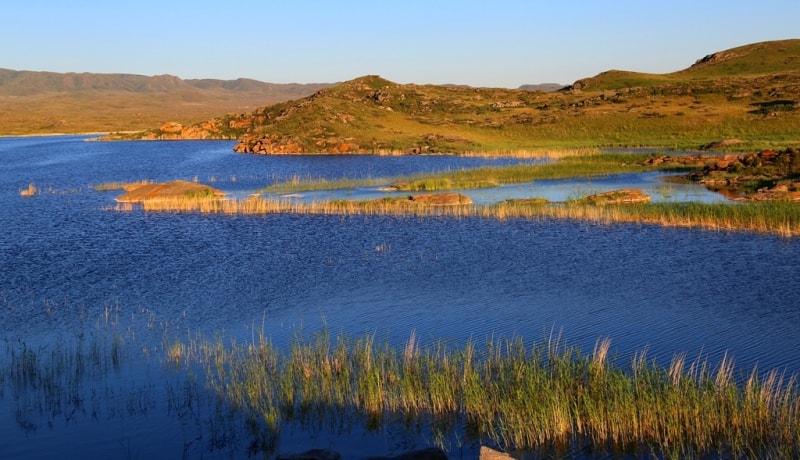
<point x="746" y="95"/>
<point x="758" y="59"/>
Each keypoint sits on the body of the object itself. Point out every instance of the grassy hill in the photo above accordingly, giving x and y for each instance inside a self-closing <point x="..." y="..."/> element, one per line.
<point x="49" y="102"/>
<point x="745" y="95"/>
<point x="758" y="59"/>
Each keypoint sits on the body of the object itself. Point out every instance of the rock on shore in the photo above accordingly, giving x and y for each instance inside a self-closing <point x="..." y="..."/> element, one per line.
<point x="166" y="190"/>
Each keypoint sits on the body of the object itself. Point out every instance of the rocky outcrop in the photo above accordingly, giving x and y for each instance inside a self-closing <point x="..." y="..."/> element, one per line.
<point x="171" y="130"/>
<point x="269" y="145"/>
<point x="680" y="161"/>
<point x="720" y="144"/>
<point x="618" y="197"/>
<point x="487" y="453"/>
<point x="434" y="199"/>
<point x="440" y="199"/>
<point x="764" y="176"/>
<point x="169" y="190"/>
<point x="273" y="144"/>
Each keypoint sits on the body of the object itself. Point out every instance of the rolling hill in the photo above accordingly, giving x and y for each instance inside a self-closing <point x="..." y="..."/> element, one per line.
<point x="745" y="95"/>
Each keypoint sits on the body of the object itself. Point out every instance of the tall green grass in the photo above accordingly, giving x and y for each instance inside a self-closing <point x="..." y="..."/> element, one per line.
<point x="539" y="398"/>
<point x="580" y="166"/>
<point x="780" y="217"/>
<point x="565" y="164"/>
<point x="546" y="398"/>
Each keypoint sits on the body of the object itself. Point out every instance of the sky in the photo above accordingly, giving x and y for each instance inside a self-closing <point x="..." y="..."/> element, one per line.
<point x="491" y="43"/>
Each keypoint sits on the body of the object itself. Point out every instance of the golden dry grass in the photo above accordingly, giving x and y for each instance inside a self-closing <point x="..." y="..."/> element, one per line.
<point x="28" y="191"/>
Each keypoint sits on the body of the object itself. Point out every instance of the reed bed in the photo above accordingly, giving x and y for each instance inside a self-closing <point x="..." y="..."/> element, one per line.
<point x="549" y="153"/>
<point x="579" y="163"/>
<point x="571" y="163"/>
<point x="30" y="190"/>
<point x="545" y="398"/>
<point x="779" y="218"/>
<point x="127" y="186"/>
<point x="584" y="165"/>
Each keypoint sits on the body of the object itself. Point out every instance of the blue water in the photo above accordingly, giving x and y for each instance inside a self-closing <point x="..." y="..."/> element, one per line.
<point x="68" y="263"/>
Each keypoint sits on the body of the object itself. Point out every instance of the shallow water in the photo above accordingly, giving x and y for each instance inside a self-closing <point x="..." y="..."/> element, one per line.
<point x="67" y="266"/>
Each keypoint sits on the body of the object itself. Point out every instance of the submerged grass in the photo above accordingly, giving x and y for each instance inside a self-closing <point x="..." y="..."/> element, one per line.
<point x="545" y="398"/>
<point x="542" y="398"/>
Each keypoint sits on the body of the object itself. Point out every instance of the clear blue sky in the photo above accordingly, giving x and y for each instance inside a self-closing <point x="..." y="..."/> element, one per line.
<point x="499" y="43"/>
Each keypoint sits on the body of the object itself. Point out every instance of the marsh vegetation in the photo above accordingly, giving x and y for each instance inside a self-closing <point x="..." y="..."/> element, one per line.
<point x="776" y="217"/>
<point x="543" y="398"/>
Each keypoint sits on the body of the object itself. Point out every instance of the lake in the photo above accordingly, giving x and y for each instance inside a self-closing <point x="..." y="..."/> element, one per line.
<point x="71" y="269"/>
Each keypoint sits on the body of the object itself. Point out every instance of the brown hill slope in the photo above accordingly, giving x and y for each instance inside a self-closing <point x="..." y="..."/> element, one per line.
<point x="47" y="102"/>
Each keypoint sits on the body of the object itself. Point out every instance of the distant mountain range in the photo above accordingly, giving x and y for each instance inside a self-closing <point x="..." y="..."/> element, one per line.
<point x="29" y="83"/>
<point x="49" y="102"/>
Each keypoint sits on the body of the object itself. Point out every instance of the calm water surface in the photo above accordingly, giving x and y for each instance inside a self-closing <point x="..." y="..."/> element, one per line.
<point x="68" y="266"/>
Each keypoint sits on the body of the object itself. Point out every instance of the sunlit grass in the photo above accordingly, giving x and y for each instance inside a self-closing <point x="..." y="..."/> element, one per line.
<point x="572" y="163"/>
<point x="780" y="218"/>
<point x="30" y="190"/>
<point x="577" y="166"/>
<point x="127" y="186"/>
<point x="545" y="397"/>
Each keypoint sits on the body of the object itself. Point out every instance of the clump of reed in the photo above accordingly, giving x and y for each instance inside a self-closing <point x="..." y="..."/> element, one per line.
<point x="258" y="205"/>
<point x="780" y="217"/>
<point x="56" y="380"/>
<point x="30" y="190"/>
<point x="127" y="186"/>
<point x="545" y="398"/>
<point x="550" y="153"/>
<point x="571" y="163"/>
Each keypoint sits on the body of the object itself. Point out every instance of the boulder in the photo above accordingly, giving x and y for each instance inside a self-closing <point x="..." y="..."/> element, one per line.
<point x="720" y="144"/>
<point x="171" y="127"/>
<point x="441" y="199"/>
<point x="617" y="197"/>
<point x="168" y="190"/>
<point x="487" y="453"/>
